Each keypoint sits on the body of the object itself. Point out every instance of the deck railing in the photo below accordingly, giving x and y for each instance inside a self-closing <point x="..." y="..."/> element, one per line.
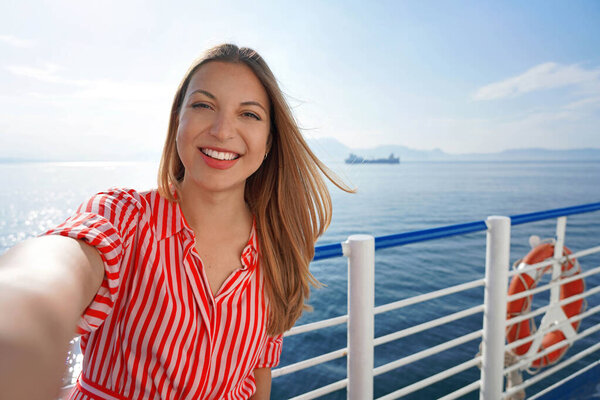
<point x="360" y="251"/>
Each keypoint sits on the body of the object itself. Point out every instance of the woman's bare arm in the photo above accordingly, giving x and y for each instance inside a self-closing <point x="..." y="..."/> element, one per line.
<point x="45" y="284"/>
<point x="262" y="377"/>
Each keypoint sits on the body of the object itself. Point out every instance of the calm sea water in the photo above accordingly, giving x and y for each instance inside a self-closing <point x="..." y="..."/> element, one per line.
<point x="390" y="199"/>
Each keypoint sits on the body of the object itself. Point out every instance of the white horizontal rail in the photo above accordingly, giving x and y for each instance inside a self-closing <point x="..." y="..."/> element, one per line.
<point x="432" y="379"/>
<point x="523" y="363"/>
<point x="534" y="267"/>
<point x="543" y="309"/>
<point x="427" y="325"/>
<point x="551" y="284"/>
<point x="549" y="261"/>
<point x="550" y="371"/>
<point x="586" y="252"/>
<point x="427" y="352"/>
<point x="311" y="362"/>
<point x="313" y="326"/>
<point x="462" y="391"/>
<point x="563" y="381"/>
<point x="322" y="391"/>
<point x="428" y="296"/>
<point x="552" y="328"/>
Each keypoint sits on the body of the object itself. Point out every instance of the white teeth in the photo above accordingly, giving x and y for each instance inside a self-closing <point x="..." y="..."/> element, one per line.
<point x="219" y="155"/>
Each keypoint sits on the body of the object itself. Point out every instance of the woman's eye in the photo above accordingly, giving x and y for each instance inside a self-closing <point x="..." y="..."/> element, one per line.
<point x="251" y="115"/>
<point x="200" y="105"/>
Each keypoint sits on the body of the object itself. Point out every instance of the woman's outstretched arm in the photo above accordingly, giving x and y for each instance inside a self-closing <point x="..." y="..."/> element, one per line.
<point x="45" y="285"/>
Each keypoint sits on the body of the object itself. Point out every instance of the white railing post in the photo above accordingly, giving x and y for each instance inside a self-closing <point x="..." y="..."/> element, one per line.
<point x="494" y="318"/>
<point x="360" y="250"/>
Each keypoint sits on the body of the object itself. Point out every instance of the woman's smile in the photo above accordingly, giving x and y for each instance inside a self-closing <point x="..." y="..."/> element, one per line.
<point x="219" y="155"/>
<point x="218" y="159"/>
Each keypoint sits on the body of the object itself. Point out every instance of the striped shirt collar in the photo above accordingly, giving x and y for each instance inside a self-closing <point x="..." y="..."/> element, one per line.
<point x="174" y="222"/>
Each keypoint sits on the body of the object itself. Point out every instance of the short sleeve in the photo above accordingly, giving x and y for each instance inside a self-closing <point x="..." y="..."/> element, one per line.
<point x="271" y="353"/>
<point x="108" y="222"/>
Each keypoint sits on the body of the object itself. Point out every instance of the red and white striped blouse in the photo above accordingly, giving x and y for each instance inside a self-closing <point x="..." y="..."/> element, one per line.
<point x="154" y="329"/>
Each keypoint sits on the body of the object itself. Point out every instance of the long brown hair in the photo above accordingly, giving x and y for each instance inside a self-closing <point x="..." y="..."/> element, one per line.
<point x="287" y="194"/>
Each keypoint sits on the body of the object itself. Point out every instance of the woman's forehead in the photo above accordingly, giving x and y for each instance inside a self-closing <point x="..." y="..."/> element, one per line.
<point x="228" y="79"/>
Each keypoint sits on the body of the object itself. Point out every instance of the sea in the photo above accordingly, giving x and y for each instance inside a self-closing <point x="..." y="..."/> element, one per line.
<point x="389" y="199"/>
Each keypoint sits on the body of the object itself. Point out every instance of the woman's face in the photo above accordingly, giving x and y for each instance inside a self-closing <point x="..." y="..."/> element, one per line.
<point x="224" y="126"/>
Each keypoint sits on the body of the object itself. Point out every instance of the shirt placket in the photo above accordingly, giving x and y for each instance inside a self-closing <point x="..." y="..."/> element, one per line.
<point x="202" y="296"/>
<point x="211" y="302"/>
<point x="197" y="281"/>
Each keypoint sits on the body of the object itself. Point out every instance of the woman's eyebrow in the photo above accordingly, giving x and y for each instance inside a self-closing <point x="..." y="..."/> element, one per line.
<point x="253" y="103"/>
<point x="204" y="92"/>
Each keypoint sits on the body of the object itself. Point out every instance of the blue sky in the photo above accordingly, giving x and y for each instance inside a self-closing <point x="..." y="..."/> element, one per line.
<point x="94" y="80"/>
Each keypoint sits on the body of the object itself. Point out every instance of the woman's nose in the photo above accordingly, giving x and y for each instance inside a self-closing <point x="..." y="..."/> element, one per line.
<point x="222" y="127"/>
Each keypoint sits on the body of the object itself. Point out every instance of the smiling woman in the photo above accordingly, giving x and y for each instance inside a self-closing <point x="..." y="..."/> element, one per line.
<point x="223" y="127"/>
<point x="181" y="292"/>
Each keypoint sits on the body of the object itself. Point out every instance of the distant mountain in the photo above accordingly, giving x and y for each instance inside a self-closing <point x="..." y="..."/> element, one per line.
<point x="330" y="149"/>
<point x="546" y="154"/>
<point x="405" y="153"/>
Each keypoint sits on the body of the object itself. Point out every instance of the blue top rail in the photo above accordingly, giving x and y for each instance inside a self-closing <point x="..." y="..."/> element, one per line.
<point x="399" y="239"/>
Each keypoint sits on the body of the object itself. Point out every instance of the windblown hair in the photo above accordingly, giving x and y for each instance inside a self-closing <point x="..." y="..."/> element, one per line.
<point x="287" y="194"/>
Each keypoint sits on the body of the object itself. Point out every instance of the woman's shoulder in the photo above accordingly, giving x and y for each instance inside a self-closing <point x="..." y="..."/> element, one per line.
<point x="146" y="207"/>
<point x="125" y="194"/>
<point x="123" y="199"/>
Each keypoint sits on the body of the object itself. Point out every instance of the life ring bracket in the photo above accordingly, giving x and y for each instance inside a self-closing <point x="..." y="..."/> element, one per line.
<point x="525" y="362"/>
<point x="558" y="328"/>
<point x="539" y="311"/>
<point x="544" y="330"/>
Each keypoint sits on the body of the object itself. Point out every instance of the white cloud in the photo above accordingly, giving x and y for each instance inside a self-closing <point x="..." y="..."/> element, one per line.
<point x="544" y="76"/>
<point x="586" y="103"/>
<point x="16" y="42"/>
<point x="476" y="135"/>
<point x="103" y="89"/>
<point x="46" y="74"/>
<point x="91" y="118"/>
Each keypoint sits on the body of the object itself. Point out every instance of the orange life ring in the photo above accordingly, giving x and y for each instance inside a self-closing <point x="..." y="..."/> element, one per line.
<point x="528" y="280"/>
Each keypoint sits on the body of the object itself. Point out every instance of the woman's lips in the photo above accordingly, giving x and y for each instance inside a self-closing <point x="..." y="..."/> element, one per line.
<point x="218" y="159"/>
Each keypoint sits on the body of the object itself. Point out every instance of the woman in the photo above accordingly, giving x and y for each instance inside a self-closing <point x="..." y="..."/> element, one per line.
<point x="181" y="292"/>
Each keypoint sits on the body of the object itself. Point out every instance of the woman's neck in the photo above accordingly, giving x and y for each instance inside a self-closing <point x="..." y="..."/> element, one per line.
<point x="218" y="214"/>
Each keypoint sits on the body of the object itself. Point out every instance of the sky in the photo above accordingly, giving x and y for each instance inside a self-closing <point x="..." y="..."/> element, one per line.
<point x="94" y="80"/>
